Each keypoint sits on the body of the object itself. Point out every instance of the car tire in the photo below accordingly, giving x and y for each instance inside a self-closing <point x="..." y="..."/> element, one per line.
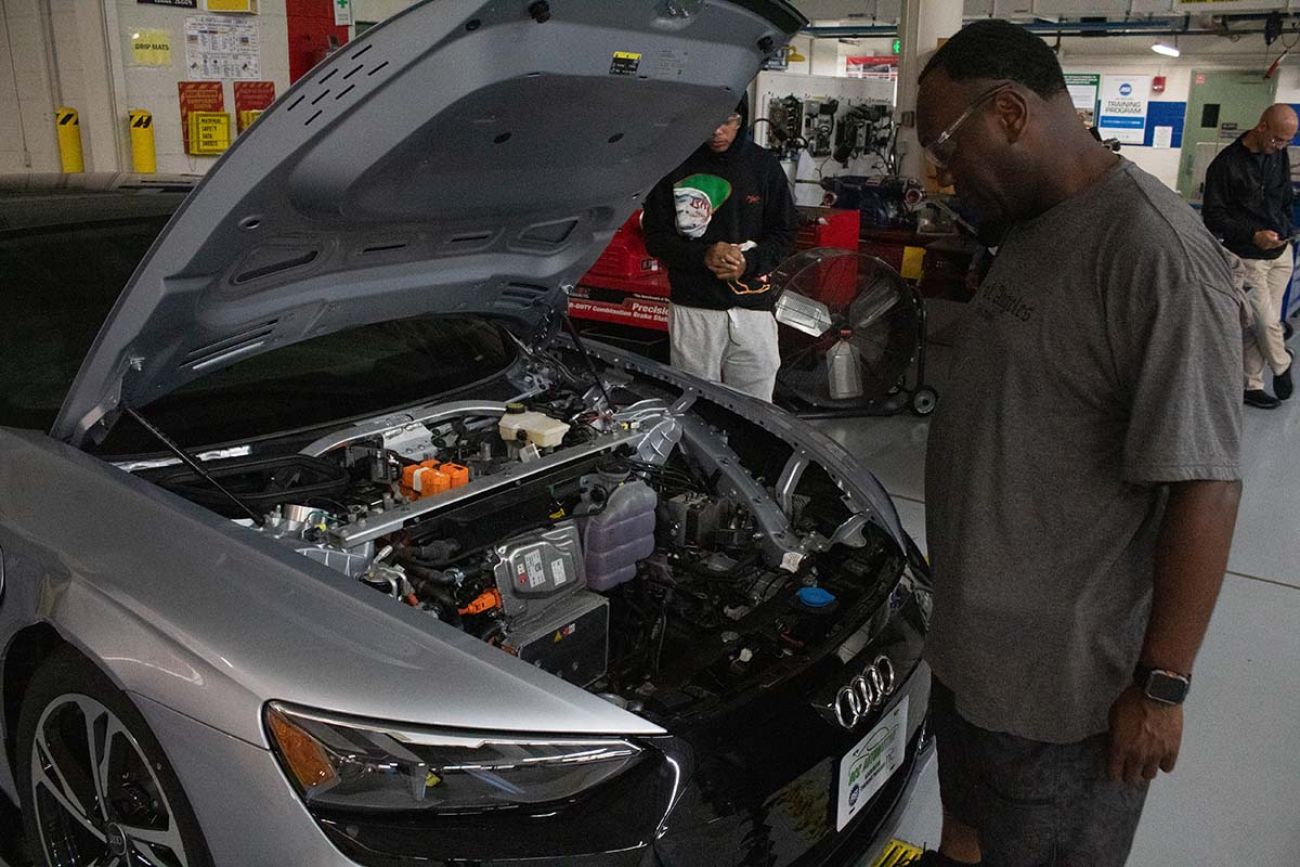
<point x="77" y="810"/>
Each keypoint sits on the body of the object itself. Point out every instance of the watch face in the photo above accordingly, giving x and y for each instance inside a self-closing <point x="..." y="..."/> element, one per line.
<point x="1166" y="688"/>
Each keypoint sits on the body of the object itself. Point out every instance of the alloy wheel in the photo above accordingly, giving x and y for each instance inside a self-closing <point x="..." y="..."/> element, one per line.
<point x="97" y="800"/>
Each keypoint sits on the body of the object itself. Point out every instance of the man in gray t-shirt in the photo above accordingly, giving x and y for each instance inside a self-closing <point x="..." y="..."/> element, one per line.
<point x="1082" y="474"/>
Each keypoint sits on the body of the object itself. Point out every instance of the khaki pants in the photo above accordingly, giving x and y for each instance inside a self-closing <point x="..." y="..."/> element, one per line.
<point x="735" y="347"/>
<point x="1267" y="280"/>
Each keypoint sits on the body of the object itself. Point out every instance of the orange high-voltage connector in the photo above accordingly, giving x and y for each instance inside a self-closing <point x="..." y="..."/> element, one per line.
<point x="424" y="479"/>
<point x="486" y="601"/>
<point x="456" y="473"/>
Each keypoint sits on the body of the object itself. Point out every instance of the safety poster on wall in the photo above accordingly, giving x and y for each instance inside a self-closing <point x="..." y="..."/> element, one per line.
<point x="1083" y="88"/>
<point x="219" y="47"/>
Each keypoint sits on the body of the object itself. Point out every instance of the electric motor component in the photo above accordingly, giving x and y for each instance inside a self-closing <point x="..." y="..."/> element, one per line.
<point x="424" y="480"/>
<point x="693" y="519"/>
<point x="764" y="586"/>
<point x="553" y="622"/>
<point x="570" y="639"/>
<point x="539" y="566"/>
<point x="429" y="478"/>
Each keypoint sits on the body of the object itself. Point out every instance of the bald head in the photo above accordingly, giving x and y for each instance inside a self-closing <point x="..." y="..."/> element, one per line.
<point x="1276" y="128"/>
<point x="1279" y="114"/>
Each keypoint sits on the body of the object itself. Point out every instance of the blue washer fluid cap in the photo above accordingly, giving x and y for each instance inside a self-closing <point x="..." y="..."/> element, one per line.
<point x="815" y="597"/>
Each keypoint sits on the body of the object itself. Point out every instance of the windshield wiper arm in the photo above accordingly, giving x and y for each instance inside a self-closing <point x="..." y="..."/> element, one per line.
<point x="190" y="462"/>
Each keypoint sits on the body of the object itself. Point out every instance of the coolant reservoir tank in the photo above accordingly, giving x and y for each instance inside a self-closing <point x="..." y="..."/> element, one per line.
<point x="539" y="429"/>
<point x="619" y="536"/>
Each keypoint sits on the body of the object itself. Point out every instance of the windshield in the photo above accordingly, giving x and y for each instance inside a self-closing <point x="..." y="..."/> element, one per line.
<point x="352" y="373"/>
<point x="58" y="283"/>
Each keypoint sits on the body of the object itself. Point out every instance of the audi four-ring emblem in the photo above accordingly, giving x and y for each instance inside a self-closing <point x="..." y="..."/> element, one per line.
<point x="865" y="693"/>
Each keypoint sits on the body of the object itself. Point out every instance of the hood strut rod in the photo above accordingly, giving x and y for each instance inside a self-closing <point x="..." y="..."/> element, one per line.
<point x="193" y="464"/>
<point x="591" y="365"/>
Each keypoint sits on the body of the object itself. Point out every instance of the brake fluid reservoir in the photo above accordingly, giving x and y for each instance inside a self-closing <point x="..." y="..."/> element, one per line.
<point x="620" y="535"/>
<point x="540" y="430"/>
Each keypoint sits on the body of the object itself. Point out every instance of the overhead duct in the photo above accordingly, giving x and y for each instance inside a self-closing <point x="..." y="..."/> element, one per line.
<point x="1223" y="26"/>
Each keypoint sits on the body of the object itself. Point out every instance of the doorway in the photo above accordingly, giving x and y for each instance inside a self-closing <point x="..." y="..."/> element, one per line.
<point x="1221" y="105"/>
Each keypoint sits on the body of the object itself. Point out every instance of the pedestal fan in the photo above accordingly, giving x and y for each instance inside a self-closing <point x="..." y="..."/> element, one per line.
<point x="826" y="295"/>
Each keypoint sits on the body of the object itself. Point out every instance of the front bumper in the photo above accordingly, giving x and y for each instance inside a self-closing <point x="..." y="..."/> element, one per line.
<point x="759" y="786"/>
<point x="756" y="781"/>
<point x="794" y="823"/>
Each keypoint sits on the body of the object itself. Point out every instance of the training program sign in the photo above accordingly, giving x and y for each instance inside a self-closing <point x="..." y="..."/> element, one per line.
<point x="1123" y="112"/>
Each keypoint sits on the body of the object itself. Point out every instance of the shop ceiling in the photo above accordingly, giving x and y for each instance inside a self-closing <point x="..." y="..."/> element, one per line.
<point x="1067" y="17"/>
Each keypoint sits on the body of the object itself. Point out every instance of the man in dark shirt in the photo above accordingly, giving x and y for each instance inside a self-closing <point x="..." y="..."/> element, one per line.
<point x="1248" y="206"/>
<point x="721" y="223"/>
<point x="1080" y="502"/>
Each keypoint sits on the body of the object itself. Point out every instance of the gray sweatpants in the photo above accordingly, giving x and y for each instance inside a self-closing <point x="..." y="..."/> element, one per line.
<point x="735" y="347"/>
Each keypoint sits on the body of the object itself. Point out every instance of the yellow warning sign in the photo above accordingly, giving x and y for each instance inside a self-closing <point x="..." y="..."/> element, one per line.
<point x="625" y="63"/>
<point x="896" y="854"/>
<point x="151" y="48"/>
<point x="249" y="6"/>
<point x="209" y="132"/>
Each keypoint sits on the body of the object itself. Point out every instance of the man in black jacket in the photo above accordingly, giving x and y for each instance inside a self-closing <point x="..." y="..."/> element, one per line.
<point x="721" y="223"/>
<point x="1248" y="206"/>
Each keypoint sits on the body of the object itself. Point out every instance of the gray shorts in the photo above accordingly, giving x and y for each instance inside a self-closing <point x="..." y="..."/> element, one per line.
<point x="1034" y="804"/>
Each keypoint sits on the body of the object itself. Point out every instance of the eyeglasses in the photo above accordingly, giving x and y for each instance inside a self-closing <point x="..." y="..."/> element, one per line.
<point x="941" y="151"/>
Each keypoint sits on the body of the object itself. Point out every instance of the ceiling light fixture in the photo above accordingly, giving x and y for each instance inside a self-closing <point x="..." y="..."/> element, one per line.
<point x="1166" y="49"/>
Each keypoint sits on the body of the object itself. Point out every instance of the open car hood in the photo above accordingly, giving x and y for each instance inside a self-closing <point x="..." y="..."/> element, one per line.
<point x="468" y="156"/>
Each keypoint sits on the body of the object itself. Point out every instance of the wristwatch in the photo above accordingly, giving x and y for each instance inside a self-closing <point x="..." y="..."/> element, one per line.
<point x="1159" y="685"/>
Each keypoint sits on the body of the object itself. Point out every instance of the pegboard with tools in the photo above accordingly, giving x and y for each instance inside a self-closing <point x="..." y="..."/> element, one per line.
<point x="844" y="123"/>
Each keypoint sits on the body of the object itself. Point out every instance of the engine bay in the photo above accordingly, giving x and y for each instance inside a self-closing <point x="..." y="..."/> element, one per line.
<point x="610" y="533"/>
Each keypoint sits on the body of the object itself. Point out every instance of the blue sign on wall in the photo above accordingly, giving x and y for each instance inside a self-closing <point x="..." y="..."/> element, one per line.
<point x="1165" y="114"/>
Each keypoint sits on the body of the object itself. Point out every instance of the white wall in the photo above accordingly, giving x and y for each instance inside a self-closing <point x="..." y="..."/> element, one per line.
<point x="28" y="143"/>
<point x="1133" y="56"/>
<point x="54" y="54"/>
<point x="154" y="88"/>
<point x="1108" y="56"/>
<point x="377" y="10"/>
<point x="77" y="53"/>
<point x="1161" y="162"/>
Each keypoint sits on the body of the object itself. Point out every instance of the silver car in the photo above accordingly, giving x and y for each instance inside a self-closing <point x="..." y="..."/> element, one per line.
<point x="324" y="544"/>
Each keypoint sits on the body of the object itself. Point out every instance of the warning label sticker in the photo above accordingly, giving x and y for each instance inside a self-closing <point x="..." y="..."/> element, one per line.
<point x="669" y="63"/>
<point x="625" y="63"/>
<point x="536" y="570"/>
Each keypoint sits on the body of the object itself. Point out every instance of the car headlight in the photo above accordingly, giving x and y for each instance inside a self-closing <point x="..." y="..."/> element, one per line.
<point x="336" y="762"/>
